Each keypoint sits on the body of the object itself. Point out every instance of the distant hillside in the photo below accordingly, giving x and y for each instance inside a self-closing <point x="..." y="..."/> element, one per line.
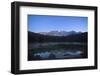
<point x="36" y="37"/>
<point x="59" y="33"/>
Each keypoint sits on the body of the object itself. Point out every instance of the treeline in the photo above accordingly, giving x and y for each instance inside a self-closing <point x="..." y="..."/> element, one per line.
<point x="36" y="37"/>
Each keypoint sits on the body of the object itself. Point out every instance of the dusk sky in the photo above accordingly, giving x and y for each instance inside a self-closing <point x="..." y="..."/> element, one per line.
<point x="47" y="23"/>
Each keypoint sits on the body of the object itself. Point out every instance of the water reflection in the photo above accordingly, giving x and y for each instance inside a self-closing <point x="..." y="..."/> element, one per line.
<point x="59" y="54"/>
<point x="48" y="51"/>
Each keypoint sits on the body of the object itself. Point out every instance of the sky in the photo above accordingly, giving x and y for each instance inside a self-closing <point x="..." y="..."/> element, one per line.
<point x="47" y="23"/>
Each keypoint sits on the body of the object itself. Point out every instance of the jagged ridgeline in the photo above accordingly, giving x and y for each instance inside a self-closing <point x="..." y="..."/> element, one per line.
<point x="37" y="37"/>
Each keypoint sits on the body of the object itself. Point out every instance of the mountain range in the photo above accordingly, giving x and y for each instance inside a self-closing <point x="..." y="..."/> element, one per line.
<point x="73" y="37"/>
<point x="59" y="33"/>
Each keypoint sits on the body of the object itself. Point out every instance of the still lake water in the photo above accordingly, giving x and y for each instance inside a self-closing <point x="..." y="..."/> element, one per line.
<point x="62" y="50"/>
<point x="59" y="54"/>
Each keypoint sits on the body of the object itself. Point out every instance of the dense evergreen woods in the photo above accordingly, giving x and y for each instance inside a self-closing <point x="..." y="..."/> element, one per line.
<point x="36" y="37"/>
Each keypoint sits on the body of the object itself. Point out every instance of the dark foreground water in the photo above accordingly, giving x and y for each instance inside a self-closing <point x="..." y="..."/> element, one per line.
<point x="52" y="51"/>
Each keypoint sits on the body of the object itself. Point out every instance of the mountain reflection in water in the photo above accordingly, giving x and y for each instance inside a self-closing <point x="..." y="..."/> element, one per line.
<point x="48" y="51"/>
<point x="64" y="54"/>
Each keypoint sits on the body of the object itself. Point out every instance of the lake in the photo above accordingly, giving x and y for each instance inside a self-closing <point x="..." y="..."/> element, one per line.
<point x="57" y="50"/>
